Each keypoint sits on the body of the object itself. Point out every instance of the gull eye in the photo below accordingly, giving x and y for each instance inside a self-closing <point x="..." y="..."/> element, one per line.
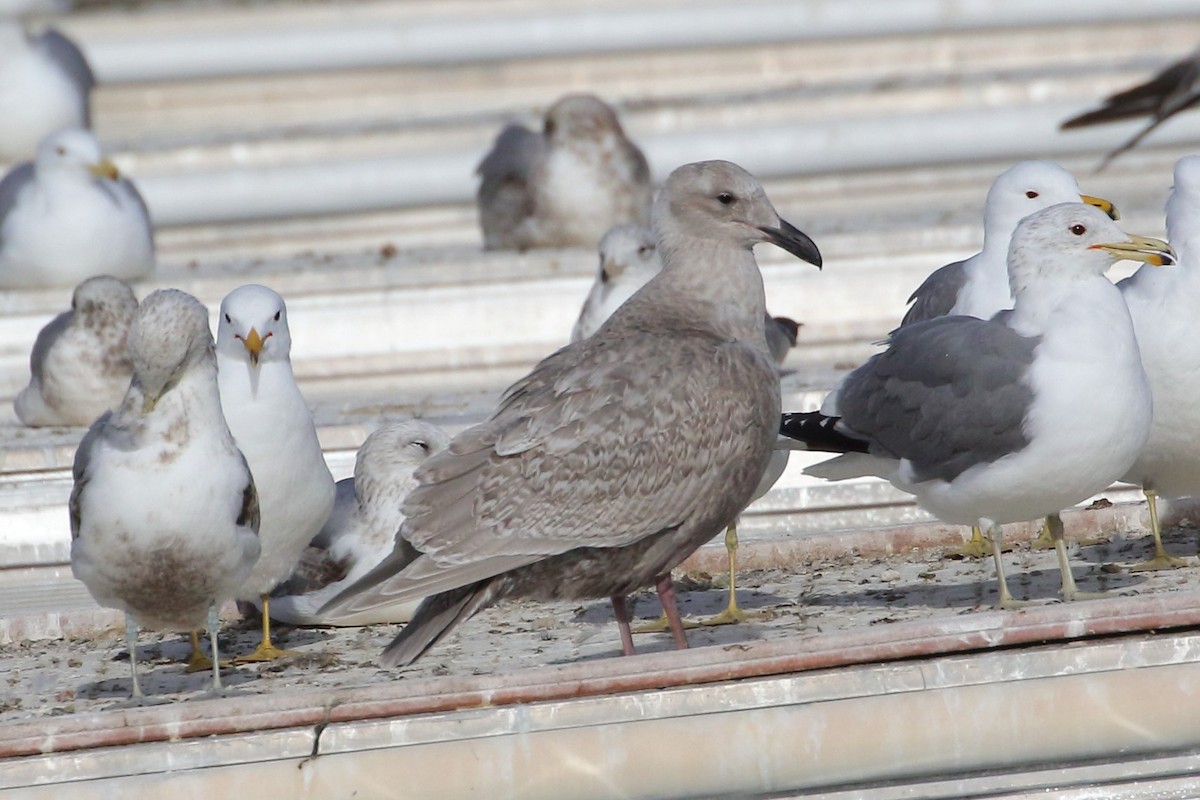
<point x="277" y="316"/>
<point x="645" y="249"/>
<point x="1078" y="229"/>
<point x="423" y="445"/>
<point x="62" y="151"/>
<point x="1031" y="194"/>
<point x="227" y="319"/>
<point x="725" y="198"/>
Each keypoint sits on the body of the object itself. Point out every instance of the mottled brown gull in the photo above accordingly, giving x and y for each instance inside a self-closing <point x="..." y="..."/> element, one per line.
<point x="563" y="186"/>
<point x="79" y="367"/>
<point x="163" y="511"/>
<point x="628" y="260"/>
<point x="1012" y="418"/>
<point x="619" y="454"/>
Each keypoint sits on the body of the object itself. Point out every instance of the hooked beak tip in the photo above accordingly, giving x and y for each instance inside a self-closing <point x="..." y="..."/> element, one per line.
<point x="795" y="241"/>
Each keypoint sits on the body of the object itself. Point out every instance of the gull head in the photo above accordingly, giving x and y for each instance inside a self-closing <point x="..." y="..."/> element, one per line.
<point x="628" y="250"/>
<point x="73" y="151"/>
<point x="169" y="334"/>
<point x="1075" y="241"/>
<point x="722" y="203"/>
<point x="253" y="326"/>
<point x="399" y="446"/>
<point x="580" y="116"/>
<point x="1030" y="186"/>
<point x="103" y="298"/>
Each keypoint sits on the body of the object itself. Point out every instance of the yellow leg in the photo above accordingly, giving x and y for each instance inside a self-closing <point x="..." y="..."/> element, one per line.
<point x="977" y="547"/>
<point x="1160" y="560"/>
<point x="1006" y="599"/>
<point x="266" y="651"/>
<point x="1069" y="591"/>
<point x="732" y="614"/>
<point x="197" y="661"/>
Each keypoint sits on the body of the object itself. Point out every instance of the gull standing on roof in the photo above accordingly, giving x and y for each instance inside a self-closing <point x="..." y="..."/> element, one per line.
<point x="1175" y="89"/>
<point x="274" y="428"/>
<point x="163" y="511"/>
<point x="361" y="531"/>
<point x="69" y="216"/>
<point x="1013" y="418"/>
<point x="79" y="367"/>
<point x="628" y="260"/>
<point x="45" y="85"/>
<point x="1163" y="306"/>
<point x="564" y="186"/>
<point x="620" y="454"/>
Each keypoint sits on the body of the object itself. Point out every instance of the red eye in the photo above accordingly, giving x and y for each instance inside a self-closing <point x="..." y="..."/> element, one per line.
<point x="1078" y="230"/>
<point x="62" y="151"/>
<point x="1031" y="194"/>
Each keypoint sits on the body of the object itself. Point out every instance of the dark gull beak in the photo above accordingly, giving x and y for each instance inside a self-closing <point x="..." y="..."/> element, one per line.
<point x="795" y="241"/>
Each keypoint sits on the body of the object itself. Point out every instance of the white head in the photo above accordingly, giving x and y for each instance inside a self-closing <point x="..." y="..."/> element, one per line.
<point x="73" y="152"/>
<point x="168" y="335"/>
<point x="1073" y="242"/>
<point x="720" y="203"/>
<point x="580" y="116"/>
<point x="1183" y="208"/>
<point x="1028" y="187"/>
<point x="628" y="253"/>
<point x="253" y="326"/>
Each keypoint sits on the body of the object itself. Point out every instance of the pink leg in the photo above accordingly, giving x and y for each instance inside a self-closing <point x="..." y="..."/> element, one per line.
<point x="666" y="596"/>
<point x="622" y="612"/>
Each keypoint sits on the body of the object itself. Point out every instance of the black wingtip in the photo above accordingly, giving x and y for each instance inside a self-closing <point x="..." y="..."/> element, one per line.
<point x="819" y="432"/>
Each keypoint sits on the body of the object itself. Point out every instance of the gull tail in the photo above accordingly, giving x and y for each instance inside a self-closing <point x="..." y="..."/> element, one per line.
<point x="812" y="430"/>
<point x="435" y="617"/>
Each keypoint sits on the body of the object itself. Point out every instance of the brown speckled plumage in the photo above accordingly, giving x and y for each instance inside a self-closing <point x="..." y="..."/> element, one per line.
<point x="618" y="455"/>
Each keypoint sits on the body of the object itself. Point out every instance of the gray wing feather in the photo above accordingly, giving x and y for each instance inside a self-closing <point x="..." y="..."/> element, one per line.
<point x="937" y="295"/>
<point x="11" y="187"/>
<point x="504" y="197"/>
<point x="46" y="338"/>
<point x="67" y="55"/>
<point x="947" y="394"/>
<point x="79" y="468"/>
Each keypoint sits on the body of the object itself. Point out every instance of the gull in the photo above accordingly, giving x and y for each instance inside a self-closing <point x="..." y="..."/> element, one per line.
<point x="620" y="454"/>
<point x="362" y="528"/>
<point x="1161" y="303"/>
<point x="163" y="510"/>
<point x="79" y="367"/>
<point x="1012" y="418"/>
<point x="1176" y="88"/>
<point x="274" y="428"/>
<point x="628" y="260"/>
<point x="45" y="85"/>
<point x="68" y="216"/>
<point x="564" y="186"/>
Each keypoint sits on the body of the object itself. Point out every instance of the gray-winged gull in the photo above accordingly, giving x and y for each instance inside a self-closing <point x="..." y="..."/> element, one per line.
<point x="68" y="216"/>
<point x="361" y="531"/>
<point x="79" y="367"/>
<point x="1163" y="306"/>
<point x="619" y="454"/>
<point x="45" y="85"/>
<point x="1176" y="88"/>
<point x="273" y="427"/>
<point x="1012" y="418"/>
<point x="163" y="511"/>
<point x="628" y="260"/>
<point x="979" y="286"/>
<point x="565" y="185"/>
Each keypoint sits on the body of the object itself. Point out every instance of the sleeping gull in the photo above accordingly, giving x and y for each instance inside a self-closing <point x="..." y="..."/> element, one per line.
<point x="1012" y="418"/>
<point x="979" y="286"/>
<point x="79" y="367"/>
<point x="1176" y="88"/>
<point x="362" y="528"/>
<point x="45" y="85"/>
<point x="1162" y="304"/>
<point x="564" y="186"/>
<point x="163" y="511"/>
<point x="621" y="453"/>
<point x="273" y="427"/>
<point x="628" y="260"/>
<point x="68" y="216"/>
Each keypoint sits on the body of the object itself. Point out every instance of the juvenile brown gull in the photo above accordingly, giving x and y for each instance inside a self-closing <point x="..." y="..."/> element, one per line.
<point x="619" y="454"/>
<point x="79" y="367"/>
<point x="1012" y="418"/>
<point x="563" y="186"/>
<point x="163" y="511"/>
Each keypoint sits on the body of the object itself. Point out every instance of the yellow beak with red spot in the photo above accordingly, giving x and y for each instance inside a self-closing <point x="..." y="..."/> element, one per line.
<point x="105" y="169"/>
<point x="254" y="346"/>
<point x="1141" y="248"/>
<point x="1104" y="205"/>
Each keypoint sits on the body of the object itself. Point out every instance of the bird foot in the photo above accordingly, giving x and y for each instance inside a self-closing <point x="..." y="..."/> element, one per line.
<point x="976" y="548"/>
<point x="661" y="625"/>
<point x="141" y="701"/>
<point x="1070" y="597"/>
<point x="1012" y="604"/>
<point x="1162" y="561"/>
<point x="198" y="662"/>
<point x="265" y="652"/>
<point x="733" y="615"/>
